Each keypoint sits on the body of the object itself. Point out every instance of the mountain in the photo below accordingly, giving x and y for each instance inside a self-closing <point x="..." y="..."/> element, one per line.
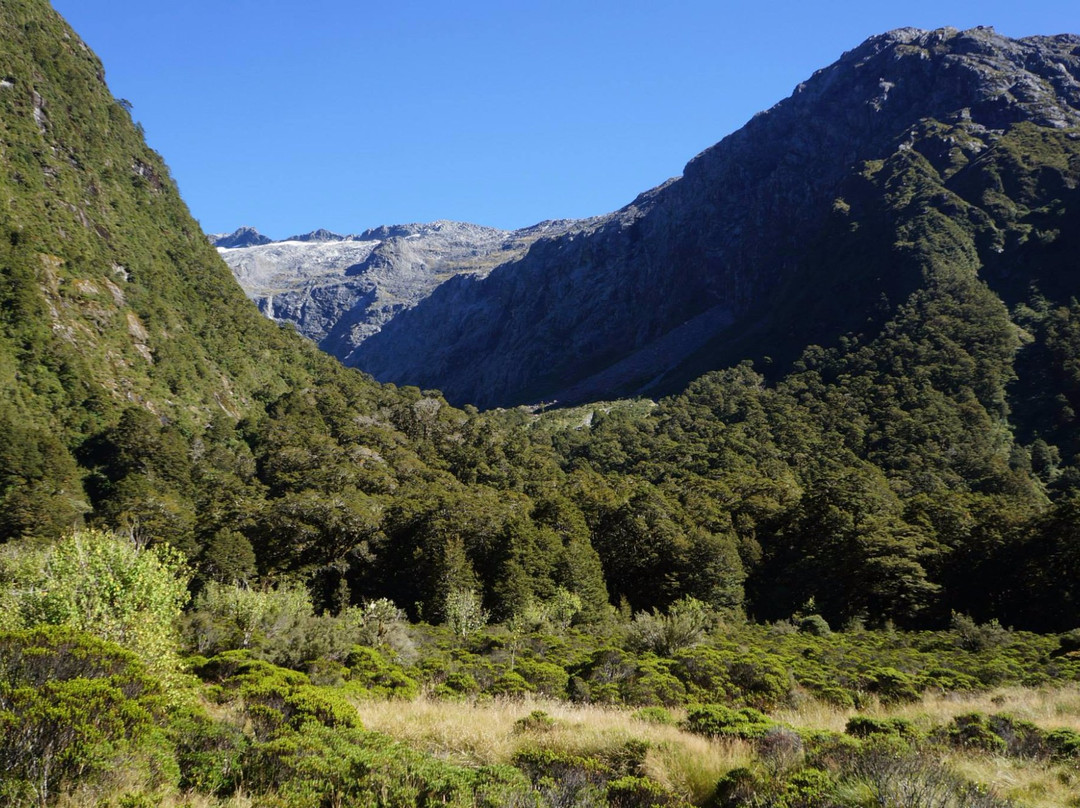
<point x="241" y="237"/>
<point x="922" y="458"/>
<point x="785" y="233"/>
<point x="129" y="356"/>
<point x="339" y="290"/>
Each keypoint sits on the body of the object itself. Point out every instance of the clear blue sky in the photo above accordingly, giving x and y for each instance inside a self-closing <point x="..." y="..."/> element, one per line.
<point x="347" y="114"/>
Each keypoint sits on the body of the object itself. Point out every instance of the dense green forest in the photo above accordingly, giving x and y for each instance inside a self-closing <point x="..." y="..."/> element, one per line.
<point x="215" y="541"/>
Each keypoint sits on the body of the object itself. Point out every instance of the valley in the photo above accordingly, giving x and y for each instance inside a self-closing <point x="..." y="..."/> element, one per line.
<point x="760" y="491"/>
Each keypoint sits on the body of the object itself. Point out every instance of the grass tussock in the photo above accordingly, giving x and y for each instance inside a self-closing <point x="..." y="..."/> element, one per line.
<point x="487" y="733"/>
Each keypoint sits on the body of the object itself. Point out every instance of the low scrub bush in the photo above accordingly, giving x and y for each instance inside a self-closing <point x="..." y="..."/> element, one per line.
<point x="862" y="726"/>
<point x="718" y="721"/>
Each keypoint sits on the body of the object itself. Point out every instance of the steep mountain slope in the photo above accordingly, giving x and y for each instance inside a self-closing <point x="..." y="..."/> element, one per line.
<point x="339" y="290"/>
<point x="123" y="337"/>
<point x="748" y="253"/>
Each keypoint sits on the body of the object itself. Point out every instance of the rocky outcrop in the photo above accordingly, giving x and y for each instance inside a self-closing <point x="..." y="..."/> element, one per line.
<point x="641" y="300"/>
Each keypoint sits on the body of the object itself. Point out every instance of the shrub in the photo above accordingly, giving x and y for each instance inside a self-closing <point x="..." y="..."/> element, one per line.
<point x="809" y="788"/>
<point x="210" y="753"/>
<point x="684" y="625"/>
<point x="456" y="685"/>
<point x="973" y="731"/>
<point x="1069" y="644"/>
<point x="544" y="677"/>
<point x="815" y="624"/>
<point x="739" y="787"/>
<point x="1064" y="744"/>
<point x="1022" y="738"/>
<point x="780" y="748"/>
<point x="508" y="684"/>
<point x="75" y="709"/>
<point x="541" y="763"/>
<point x="370" y="670"/>
<point x="894" y="776"/>
<point x="536" y="721"/>
<point x="638" y="792"/>
<point x="716" y="720"/>
<point x="972" y="636"/>
<point x="862" y="726"/>
<point x="893" y="686"/>
<point x="384" y="626"/>
<point x="104" y="585"/>
<point x="760" y="681"/>
<point x="704" y="672"/>
<point x="323" y="765"/>
<point x="276" y="698"/>
<point x="652" y="683"/>
<point x="949" y="681"/>
<point x="655" y="715"/>
<point x="836" y="696"/>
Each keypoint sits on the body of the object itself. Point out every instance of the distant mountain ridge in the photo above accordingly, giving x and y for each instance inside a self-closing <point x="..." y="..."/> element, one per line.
<point x="782" y="235"/>
<point x="338" y="290"/>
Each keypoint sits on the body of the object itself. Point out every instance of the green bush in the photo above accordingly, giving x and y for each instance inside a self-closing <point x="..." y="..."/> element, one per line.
<point x="655" y="715"/>
<point x="508" y="683"/>
<point x="1022" y="738"/>
<point x="948" y="681"/>
<point x="369" y="669"/>
<point x="815" y="625"/>
<point x="104" y="585"/>
<point x="862" y="726"/>
<point x="704" y="673"/>
<point x="1064" y="744"/>
<point x="76" y="710"/>
<point x="893" y="686"/>
<point x="536" y="721"/>
<point x="973" y="731"/>
<point x="638" y="792"/>
<point x="716" y="720"/>
<point x="321" y="765"/>
<point x="808" y="788"/>
<point x="761" y="681"/>
<point x="275" y="698"/>
<point x="542" y="763"/>
<point x="739" y="787"/>
<point x="545" y="678"/>
<point x="209" y="753"/>
<point x="652" y="683"/>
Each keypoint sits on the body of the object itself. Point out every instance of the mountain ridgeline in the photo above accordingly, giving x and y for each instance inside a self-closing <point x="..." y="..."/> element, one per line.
<point x="788" y="232"/>
<point x="899" y="238"/>
<point x="339" y="290"/>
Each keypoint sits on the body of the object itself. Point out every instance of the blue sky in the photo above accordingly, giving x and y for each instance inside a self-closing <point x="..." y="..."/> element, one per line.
<point x="347" y="114"/>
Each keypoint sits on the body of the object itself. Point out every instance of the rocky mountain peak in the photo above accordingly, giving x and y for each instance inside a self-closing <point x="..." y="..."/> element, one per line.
<point x="318" y="235"/>
<point x="240" y="237"/>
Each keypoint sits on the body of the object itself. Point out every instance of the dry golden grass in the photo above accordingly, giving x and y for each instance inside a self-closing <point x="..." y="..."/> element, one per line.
<point x="1030" y="783"/>
<point x="485" y="733"/>
<point x="1033" y="784"/>
<point x="1049" y="707"/>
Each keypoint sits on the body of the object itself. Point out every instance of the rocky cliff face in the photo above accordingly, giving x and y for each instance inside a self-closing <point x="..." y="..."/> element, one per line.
<point x="734" y="258"/>
<point x="339" y="290"/>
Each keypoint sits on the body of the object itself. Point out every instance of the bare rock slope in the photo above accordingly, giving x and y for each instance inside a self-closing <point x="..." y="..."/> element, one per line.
<point x="339" y="290"/>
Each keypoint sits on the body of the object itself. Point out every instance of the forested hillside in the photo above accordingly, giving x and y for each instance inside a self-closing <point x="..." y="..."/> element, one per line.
<point x="217" y="545"/>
